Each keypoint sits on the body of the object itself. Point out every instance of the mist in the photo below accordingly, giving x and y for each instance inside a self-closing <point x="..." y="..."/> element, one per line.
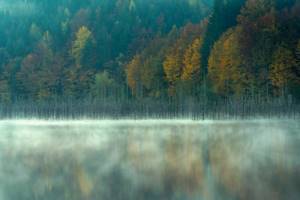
<point x="149" y="99"/>
<point x="17" y="7"/>
<point x="149" y="159"/>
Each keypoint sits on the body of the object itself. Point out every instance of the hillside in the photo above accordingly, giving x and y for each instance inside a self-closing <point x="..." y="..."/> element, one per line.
<point x="155" y="50"/>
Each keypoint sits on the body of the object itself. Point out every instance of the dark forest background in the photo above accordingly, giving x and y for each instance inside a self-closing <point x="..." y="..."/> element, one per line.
<point x="137" y="50"/>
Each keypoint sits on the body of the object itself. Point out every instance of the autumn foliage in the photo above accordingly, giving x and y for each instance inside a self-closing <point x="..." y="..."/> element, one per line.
<point x="179" y="50"/>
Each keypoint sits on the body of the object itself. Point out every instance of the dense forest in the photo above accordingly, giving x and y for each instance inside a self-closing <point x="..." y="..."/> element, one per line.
<point x="136" y="50"/>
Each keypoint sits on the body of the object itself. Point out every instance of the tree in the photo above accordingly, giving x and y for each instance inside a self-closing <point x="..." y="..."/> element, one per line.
<point x="133" y="73"/>
<point x="80" y="77"/>
<point x="80" y="19"/>
<point x="78" y="82"/>
<point x="4" y="88"/>
<point x="298" y="53"/>
<point x="5" y="95"/>
<point x="28" y="77"/>
<point x="225" y="66"/>
<point x="192" y="62"/>
<point x="4" y="57"/>
<point x="103" y="85"/>
<point x="151" y="67"/>
<point x="40" y="72"/>
<point x="82" y="46"/>
<point x="173" y="68"/>
<point x="295" y="87"/>
<point x="296" y="69"/>
<point x="223" y="17"/>
<point x="152" y="76"/>
<point x="281" y="69"/>
<point x="35" y="32"/>
<point x="254" y="9"/>
<point x="182" y="60"/>
<point x="191" y="73"/>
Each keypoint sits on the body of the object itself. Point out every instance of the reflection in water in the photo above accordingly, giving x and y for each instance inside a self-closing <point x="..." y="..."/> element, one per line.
<point x="149" y="160"/>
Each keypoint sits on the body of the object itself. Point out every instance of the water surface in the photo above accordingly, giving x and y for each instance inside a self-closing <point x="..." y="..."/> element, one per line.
<point x="151" y="159"/>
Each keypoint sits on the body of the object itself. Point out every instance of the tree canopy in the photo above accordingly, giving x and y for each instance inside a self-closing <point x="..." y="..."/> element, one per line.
<point x="166" y="49"/>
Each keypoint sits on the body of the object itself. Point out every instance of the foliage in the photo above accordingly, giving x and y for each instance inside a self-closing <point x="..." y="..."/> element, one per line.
<point x="225" y="65"/>
<point x="282" y="68"/>
<point x="165" y="50"/>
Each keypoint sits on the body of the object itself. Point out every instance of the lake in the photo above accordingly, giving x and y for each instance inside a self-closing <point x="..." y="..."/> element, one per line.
<point x="149" y="159"/>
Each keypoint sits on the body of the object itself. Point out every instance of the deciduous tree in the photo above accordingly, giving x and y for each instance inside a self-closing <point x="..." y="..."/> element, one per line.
<point x="225" y="67"/>
<point x="133" y="71"/>
<point x="281" y="69"/>
<point x="81" y="46"/>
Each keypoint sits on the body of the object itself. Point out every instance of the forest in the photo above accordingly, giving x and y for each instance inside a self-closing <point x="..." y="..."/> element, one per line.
<point x="150" y="52"/>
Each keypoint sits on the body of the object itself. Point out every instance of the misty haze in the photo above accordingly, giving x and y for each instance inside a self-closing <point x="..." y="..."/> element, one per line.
<point x="149" y="99"/>
<point x="149" y="160"/>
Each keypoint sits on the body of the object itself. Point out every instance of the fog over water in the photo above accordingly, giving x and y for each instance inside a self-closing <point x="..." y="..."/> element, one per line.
<point x="17" y="7"/>
<point x="149" y="159"/>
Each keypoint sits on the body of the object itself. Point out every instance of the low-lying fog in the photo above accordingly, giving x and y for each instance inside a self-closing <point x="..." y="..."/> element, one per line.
<point x="149" y="160"/>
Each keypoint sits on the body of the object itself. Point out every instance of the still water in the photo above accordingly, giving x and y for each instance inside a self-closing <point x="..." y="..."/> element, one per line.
<point x="149" y="160"/>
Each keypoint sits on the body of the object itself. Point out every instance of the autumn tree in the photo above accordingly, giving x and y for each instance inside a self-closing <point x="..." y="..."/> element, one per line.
<point x="74" y="49"/>
<point x="225" y="66"/>
<point x="259" y="32"/>
<point x="281" y="69"/>
<point x="192" y="62"/>
<point x="31" y="77"/>
<point x="133" y="74"/>
<point x="191" y="73"/>
<point x="151" y="67"/>
<point x="82" y="46"/>
<point x="80" y="76"/>
<point x="40" y="72"/>
<point x="173" y="69"/>
<point x="223" y="16"/>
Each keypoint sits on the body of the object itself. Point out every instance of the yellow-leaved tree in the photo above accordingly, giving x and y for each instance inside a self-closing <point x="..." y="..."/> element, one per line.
<point x="282" y="69"/>
<point x="192" y="61"/>
<point x="191" y="72"/>
<point x="80" y="78"/>
<point x="173" y="67"/>
<point x="133" y="73"/>
<point x="81" y="44"/>
<point x="225" y="69"/>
